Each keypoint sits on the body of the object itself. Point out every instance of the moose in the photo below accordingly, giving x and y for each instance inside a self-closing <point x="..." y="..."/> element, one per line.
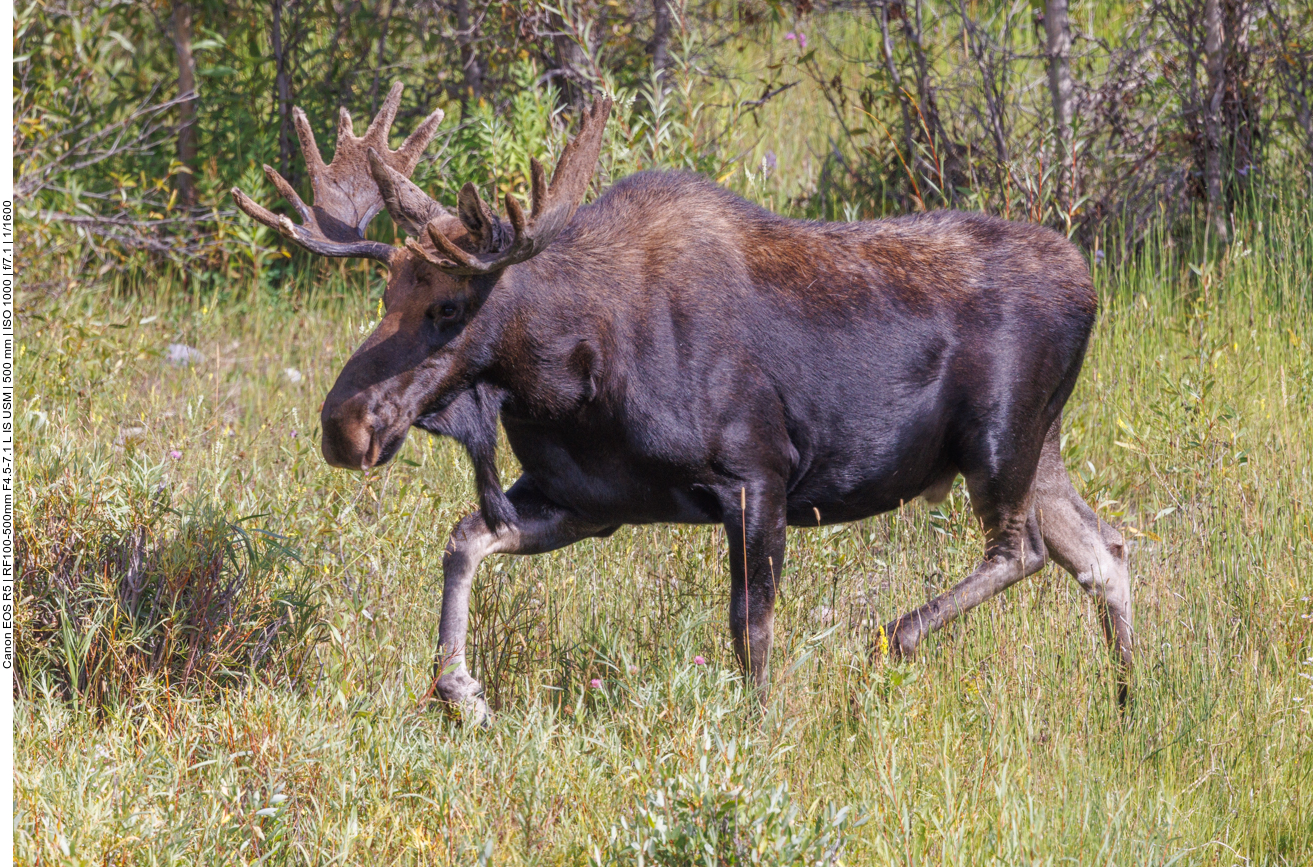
<point x="674" y="353"/>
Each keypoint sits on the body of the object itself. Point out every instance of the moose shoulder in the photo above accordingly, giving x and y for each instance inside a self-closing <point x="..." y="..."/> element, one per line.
<point x="672" y="353"/>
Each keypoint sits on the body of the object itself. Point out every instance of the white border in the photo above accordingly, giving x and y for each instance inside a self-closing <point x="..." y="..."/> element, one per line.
<point x="8" y="286"/>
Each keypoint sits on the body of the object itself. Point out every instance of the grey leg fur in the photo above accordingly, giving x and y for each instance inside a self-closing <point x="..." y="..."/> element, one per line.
<point x="539" y="527"/>
<point x="1059" y="524"/>
<point x="1090" y="550"/>
<point x="1014" y="550"/>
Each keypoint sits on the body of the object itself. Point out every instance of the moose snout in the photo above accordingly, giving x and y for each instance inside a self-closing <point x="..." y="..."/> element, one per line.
<point x="354" y="438"/>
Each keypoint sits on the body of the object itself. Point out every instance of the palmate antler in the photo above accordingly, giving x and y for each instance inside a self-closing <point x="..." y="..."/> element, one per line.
<point x="346" y="194"/>
<point x="551" y="208"/>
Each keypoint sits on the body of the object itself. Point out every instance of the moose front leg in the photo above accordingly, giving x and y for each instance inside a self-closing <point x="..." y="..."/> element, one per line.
<point x="754" y="529"/>
<point x="539" y="527"/>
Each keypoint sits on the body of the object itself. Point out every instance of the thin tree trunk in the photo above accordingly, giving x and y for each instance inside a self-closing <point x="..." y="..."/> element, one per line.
<point x="1240" y="113"/>
<point x="571" y="58"/>
<point x="661" y="36"/>
<point x="1058" y="29"/>
<point x="282" y="80"/>
<point x="184" y="181"/>
<point x="378" y="67"/>
<point x="1216" y="66"/>
<point x="472" y="89"/>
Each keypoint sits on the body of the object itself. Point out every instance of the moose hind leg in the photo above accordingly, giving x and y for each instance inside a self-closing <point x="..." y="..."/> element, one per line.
<point x="1090" y="550"/>
<point x="539" y="527"/>
<point x="1014" y="549"/>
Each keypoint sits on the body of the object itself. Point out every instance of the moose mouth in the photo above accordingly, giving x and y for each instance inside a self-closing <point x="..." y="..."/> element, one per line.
<point x="385" y="453"/>
<point x="358" y="447"/>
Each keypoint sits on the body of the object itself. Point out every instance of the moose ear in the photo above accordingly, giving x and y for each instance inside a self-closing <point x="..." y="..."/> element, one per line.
<point x="484" y="226"/>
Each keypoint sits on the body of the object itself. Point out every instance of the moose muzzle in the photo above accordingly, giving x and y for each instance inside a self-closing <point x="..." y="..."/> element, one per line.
<point x="356" y="438"/>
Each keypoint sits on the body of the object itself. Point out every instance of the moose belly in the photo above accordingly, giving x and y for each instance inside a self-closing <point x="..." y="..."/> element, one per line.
<point x="602" y="481"/>
<point x="837" y="491"/>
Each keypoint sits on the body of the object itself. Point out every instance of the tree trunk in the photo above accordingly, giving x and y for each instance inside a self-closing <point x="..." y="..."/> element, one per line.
<point x="661" y="36"/>
<point x="1240" y="111"/>
<point x="472" y="89"/>
<point x="378" y="67"/>
<point x="184" y="181"/>
<point x="571" y="59"/>
<point x="282" y="80"/>
<point x="1058" y="29"/>
<point x="1215" y="61"/>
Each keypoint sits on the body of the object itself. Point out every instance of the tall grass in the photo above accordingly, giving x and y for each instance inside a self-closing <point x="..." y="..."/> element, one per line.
<point x="1189" y="429"/>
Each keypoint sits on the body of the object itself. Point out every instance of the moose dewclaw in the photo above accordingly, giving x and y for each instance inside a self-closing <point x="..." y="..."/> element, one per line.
<point x="673" y="353"/>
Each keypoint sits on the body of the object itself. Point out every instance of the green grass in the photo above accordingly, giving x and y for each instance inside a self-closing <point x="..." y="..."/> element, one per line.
<point x="1190" y="429"/>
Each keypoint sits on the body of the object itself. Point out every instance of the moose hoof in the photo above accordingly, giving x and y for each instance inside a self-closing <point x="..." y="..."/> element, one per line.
<point x="461" y="699"/>
<point x="903" y="637"/>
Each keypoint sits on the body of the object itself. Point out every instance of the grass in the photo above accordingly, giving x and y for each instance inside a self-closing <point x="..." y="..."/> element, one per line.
<point x="1190" y="429"/>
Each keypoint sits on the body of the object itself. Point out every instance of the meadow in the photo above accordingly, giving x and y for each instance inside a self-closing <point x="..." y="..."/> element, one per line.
<point x="1002" y="744"/>
<point x="223" y="640"/>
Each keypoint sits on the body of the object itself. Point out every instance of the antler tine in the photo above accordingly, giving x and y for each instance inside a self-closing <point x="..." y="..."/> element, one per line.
<point x="418" y="141"/>
<point x="538" y="187"/>
<point x="552" y="206"/>
<point x="345" y="127"/>
<point x="381" y="125"/>
<point x="287" y="192"/>
<point x="309" y="149"/>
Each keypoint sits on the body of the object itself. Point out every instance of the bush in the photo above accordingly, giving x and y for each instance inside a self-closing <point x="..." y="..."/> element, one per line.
<point x="117" y="587"/>
<point x="715" y="816"/>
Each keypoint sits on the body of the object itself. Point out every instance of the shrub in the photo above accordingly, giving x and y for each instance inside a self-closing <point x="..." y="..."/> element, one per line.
<point x="116" y="586"/>
<point x="717" y="816"/>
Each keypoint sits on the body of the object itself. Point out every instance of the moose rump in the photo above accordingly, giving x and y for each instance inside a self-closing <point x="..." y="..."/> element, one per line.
<point x="673" y="353"/>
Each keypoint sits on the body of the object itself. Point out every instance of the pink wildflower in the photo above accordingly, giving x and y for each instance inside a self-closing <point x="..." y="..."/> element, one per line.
<point x="175" y="454"/>
<point x="800" y="38"/>
<point x="595" y="683"/>
<point x="698" y="660"/>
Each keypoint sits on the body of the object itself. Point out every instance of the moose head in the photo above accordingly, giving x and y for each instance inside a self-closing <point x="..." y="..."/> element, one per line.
<point x="405" y="372"/>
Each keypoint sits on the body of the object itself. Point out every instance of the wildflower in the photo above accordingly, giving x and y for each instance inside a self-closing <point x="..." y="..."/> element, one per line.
<point x="633" y="669"/>
<point x="698" y="660"/>
<point x="595" y="683"/>
<point x="884" y="643"/>
<point x="175" y="454"/>
<point x="800" y="38"/>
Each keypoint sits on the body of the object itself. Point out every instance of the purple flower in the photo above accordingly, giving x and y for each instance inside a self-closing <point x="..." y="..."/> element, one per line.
<point x="800" y="38"/>
<point x="698" y="660"/>
<point x="175" y="454"/>
<point x="633" y="669"/>
<point x="595" y="683"/>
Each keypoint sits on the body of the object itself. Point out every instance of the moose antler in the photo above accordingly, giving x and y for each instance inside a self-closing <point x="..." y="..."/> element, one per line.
<point x="551" y="208"/>
<point x="346" y="196"/>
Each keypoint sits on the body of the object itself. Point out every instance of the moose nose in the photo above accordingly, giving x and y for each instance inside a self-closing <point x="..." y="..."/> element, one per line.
<point x="350" y="437"/>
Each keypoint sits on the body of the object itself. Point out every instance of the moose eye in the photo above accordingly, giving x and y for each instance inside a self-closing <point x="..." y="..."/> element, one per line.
<point x="443" y="311"/>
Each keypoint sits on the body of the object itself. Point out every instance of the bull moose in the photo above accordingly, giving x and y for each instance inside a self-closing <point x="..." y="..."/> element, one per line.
<point x="673" y="353"/>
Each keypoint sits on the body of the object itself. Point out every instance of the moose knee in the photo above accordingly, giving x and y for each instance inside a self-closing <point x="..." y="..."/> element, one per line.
<point x="1113" y="541"/>
<point x="469" y="540"/>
